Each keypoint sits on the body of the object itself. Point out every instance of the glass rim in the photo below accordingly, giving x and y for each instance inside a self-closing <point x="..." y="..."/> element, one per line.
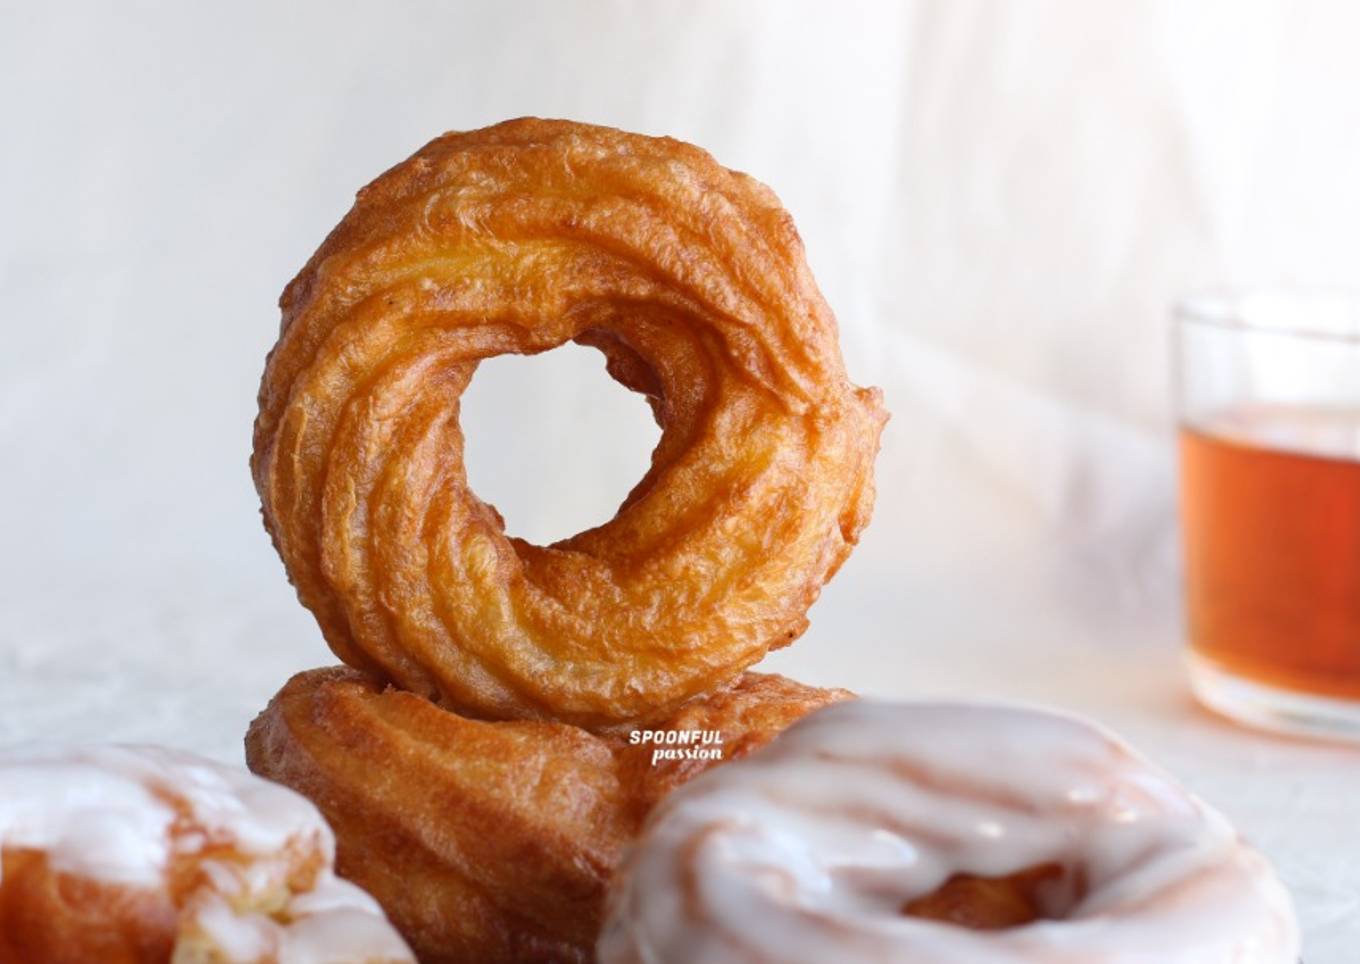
<point x="1228" y="308"/>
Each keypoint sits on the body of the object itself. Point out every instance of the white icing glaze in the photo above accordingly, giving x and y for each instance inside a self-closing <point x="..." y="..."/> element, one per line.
<point x="807" y="850"/>
<point x="333" y="922"/>
<point x="121" y="815"/>
<point x="91" y="811"/>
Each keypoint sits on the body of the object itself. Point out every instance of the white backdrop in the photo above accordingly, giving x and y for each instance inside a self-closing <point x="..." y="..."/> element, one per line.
<point x="998" y="198"/>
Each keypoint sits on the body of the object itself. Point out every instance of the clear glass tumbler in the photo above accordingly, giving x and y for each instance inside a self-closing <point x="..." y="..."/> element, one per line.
<point x="1268" y="386"/>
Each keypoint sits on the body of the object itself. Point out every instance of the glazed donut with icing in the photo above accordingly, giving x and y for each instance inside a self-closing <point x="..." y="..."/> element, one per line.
<point x="139" y="855"/>
<point x="943" y="833"/>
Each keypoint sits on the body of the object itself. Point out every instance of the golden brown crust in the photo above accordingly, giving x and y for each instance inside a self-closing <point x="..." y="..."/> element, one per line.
<point x="988" y="903"/>
<point x="486" y="841"/>
<point x="59" y="918"/>
<point x="515" y="239"/>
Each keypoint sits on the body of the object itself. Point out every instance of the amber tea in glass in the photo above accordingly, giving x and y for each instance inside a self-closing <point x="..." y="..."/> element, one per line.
<point x="1269" y="405"/>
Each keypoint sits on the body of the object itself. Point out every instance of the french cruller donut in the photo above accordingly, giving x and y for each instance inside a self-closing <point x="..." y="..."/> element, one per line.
<point x="514" y="239"/>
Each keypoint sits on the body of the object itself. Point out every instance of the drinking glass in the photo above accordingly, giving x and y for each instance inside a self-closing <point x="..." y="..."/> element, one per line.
<point x="1268" y="399"/>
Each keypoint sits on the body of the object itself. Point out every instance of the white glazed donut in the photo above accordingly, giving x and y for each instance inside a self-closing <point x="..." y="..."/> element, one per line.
<point x="139" y="854"/>
<point x="825" y="845"/>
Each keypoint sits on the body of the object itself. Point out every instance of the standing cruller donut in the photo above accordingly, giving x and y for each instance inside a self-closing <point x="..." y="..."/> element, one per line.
<point x="691" y="279"/>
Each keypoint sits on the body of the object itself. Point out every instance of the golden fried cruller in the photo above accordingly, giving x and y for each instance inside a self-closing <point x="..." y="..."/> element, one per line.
<point x="490" y="842"/>
<point x="690" y="278"/>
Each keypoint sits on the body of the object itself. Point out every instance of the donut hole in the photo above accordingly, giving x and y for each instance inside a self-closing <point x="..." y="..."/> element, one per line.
<point x="1046" y="892"/>
<point x="547" y="442"/>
